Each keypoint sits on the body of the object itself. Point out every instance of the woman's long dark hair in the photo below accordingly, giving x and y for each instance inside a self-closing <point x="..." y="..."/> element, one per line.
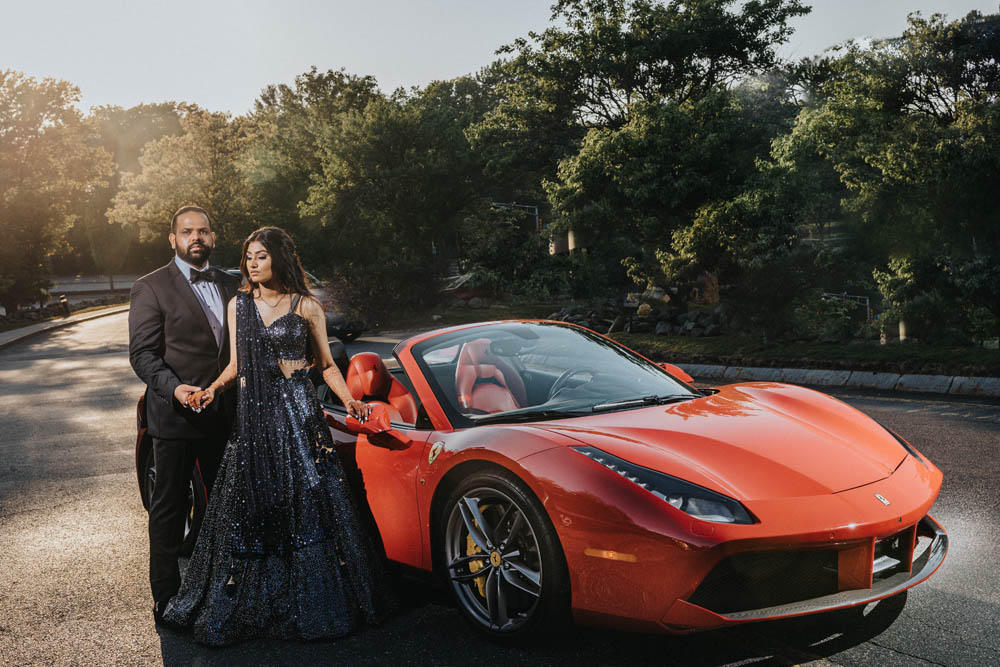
<point x="286" y="267"/>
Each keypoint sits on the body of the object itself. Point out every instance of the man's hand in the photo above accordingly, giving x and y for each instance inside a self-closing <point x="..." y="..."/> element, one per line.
<point x="200" y="399"/>
<point x="182" y="393"/>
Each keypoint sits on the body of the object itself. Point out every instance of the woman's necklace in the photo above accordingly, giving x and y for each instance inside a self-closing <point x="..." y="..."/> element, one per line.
<point x="271" y="305"/>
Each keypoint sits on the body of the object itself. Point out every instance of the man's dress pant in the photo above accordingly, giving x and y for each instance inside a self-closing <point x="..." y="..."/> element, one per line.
<point x="168" y="507"/>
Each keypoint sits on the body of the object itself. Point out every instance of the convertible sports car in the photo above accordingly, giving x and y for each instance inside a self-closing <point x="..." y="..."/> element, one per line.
<point x="544" y="471"/>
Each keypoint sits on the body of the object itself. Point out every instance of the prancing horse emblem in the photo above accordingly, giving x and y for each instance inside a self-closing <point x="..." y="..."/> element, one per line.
<point x="435" y="450"/>
<point x="882" y="499"/>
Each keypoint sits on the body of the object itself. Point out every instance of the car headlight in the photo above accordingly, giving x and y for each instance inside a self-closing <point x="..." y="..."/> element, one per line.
<point x="692" y="499"/>
<point x="904" y="444"/>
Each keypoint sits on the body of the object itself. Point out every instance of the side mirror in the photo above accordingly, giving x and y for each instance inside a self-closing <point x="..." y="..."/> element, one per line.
<point x="377" y="429"/>
<point x="676" y="371"/>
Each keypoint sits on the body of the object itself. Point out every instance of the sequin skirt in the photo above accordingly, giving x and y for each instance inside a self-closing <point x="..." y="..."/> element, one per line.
<point x="281" y="551"/>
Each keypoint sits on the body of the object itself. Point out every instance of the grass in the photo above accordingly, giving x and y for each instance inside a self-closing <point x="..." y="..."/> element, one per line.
<point x="893" y="358"/>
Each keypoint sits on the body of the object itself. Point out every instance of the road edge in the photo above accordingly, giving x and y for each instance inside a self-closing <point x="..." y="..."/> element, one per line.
<point x="13" y="336"/>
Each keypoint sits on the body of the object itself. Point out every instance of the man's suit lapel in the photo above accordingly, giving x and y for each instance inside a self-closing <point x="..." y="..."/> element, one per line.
<point x="187" y="295"/>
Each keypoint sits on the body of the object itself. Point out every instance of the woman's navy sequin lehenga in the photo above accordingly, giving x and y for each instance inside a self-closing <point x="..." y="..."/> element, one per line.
<point x="281" y="551"/>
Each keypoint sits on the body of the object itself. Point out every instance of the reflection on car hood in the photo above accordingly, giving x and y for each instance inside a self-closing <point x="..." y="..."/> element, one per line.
<point x="750" y="441"/>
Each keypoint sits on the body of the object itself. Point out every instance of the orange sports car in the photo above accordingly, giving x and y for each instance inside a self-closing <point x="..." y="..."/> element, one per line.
<point x="546" y="472"/>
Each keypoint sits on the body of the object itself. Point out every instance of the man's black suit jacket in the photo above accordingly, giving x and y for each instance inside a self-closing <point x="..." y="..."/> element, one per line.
<point x="170" y="342"/>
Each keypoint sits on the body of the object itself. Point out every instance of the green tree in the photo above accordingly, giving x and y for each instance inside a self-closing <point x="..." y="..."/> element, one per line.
<point x="391" y="193"/>
<point x="200" y="166"/>
<point x="648" y="180"/>
<point x="283" y="156"/>
<point x="603" y="59"/>
<point x="910" y="126"/>
<point x="122" y="133"/>
<point x="47" y="171"/>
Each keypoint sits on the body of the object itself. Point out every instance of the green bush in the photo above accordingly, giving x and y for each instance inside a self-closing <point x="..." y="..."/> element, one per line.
<point x="924" y="293"/>
<point x="826" y="319"/>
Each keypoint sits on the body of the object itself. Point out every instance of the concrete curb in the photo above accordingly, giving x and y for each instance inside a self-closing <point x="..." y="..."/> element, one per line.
<point x="931" y="384"/>
<point x="17" y="335"/>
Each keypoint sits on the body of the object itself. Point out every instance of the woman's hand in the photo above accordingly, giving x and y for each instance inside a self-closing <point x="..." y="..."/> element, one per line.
<point x="359" y="410"/>
<point x="199" y="400"/>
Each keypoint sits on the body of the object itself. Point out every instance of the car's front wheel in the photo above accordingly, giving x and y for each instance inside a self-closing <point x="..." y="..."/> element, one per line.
<point x="196" y="501"/>
<point x="502" y="558"/>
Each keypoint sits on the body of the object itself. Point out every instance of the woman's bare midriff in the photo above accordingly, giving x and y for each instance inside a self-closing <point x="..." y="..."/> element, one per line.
<point x="289" y="366"/>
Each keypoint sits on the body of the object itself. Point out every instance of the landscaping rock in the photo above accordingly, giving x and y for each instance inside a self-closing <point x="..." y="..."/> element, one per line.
<point x="662" y="329"/>
<point x="617" y="325"/>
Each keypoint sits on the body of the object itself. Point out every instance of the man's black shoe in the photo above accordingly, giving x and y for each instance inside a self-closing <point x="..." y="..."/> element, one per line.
<point x="158" y="609"/>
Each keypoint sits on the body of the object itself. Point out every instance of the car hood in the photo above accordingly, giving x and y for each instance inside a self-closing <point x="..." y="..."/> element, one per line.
<point x="750" y="441"/>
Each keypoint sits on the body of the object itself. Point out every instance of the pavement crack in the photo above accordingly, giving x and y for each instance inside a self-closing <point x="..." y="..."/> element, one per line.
<point x="958" y="638"/>
<point x="908" y="655"/>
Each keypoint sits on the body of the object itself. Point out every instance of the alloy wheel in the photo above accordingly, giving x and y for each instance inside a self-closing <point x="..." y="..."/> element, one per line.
<point x="493" y="560"/>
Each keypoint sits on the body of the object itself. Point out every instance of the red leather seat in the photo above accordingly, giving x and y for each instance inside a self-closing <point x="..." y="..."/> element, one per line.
<point x="369" y="380"/>
<point x="485" y="382"/>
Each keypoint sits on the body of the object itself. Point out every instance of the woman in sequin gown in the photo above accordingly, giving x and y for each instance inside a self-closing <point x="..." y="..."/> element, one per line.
<point x="281" y="552"/>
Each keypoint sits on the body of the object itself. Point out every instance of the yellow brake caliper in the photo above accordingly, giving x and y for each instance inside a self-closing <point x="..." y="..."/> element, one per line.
<point x="475" y="565"/>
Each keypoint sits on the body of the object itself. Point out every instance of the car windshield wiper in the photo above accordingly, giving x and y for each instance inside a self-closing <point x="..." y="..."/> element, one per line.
<point x="530" y="415"/>
<point x="639" y="402"/>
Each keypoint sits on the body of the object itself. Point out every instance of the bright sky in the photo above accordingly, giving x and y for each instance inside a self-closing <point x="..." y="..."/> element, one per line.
<point x="220" y="53"/>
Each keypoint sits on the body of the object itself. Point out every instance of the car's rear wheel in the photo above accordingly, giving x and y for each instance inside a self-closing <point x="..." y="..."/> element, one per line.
<point x="196" y="502"/>
<point x="502" y="558"/>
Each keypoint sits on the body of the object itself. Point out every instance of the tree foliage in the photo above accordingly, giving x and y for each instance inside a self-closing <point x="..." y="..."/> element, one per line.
<point x="47" y="170"/>
<point x="199" y="166"/>
<point x="393" y="186"/>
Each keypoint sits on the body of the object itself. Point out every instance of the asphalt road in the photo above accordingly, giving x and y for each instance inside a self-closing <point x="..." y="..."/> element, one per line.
<point x="73" y="549"/>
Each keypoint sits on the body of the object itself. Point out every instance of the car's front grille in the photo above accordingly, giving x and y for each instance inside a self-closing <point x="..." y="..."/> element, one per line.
<point x="891" y="554"/>
<point x="763" y="579"/>
<point x="767" y="579"/>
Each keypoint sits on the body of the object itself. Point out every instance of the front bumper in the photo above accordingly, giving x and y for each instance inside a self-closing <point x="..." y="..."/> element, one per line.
<point x="928" y="551"/>
<point x="637" y="564"/>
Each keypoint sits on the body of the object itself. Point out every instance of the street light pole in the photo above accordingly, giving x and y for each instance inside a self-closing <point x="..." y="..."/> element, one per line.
<point x="526" y="207"/>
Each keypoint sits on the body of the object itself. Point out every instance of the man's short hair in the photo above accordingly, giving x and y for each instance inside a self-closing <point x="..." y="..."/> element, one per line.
<point x="188" y="209"/>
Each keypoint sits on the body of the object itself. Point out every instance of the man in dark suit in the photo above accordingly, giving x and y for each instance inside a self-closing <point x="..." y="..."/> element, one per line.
<point x="178" y="344"/>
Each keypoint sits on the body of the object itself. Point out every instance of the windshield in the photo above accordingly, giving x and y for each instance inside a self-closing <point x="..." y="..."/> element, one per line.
<point x="524" y="371"/>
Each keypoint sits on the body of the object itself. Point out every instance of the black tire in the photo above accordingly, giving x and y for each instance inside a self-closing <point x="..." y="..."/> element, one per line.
<point x="524" y="590"/>
<point x="196" y="499"/>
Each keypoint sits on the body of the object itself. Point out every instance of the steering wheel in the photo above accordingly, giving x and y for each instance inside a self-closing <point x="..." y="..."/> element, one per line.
<point x="564" y="378"/>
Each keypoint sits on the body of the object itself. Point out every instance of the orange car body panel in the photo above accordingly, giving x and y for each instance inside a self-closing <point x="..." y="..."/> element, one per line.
<point x="805" y="465"/>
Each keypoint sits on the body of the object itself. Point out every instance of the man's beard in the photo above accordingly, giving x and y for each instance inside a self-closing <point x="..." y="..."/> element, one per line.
<point x="203" y="253"/>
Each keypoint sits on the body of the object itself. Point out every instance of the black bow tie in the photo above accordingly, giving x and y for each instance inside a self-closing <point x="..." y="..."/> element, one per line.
<point x="211" y="275"/>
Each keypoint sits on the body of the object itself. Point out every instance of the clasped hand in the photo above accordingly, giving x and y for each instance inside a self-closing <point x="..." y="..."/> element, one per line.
<point x="195" y="398"/>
